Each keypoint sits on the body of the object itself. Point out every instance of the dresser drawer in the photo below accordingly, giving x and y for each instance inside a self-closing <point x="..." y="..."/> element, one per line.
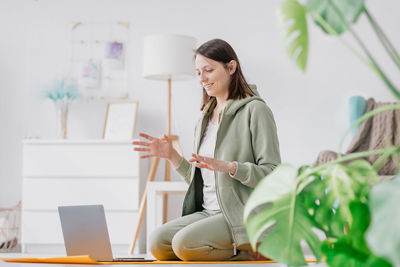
<point x="49" y="193"/>
<point x="80" y="160"/>
<point x="45" y="227"/>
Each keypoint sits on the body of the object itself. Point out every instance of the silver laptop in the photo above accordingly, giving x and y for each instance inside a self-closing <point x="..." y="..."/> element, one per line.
<point x="85" y="233"/>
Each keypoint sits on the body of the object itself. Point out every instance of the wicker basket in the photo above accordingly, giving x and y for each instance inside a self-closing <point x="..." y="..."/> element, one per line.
<point x="9" y="227"/>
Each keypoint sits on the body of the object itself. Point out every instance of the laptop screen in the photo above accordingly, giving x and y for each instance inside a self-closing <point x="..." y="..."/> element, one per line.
<point x="85" y="231"/>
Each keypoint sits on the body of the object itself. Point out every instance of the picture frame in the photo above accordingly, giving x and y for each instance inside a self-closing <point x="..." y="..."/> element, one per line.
<point x="120" y="120"/>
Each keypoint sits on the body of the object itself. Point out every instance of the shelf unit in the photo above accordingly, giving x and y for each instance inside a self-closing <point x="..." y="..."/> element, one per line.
<point x="80" y="172"/>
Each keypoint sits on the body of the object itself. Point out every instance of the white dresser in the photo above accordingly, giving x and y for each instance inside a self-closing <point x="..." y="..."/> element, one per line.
<point x="67" y="172"/>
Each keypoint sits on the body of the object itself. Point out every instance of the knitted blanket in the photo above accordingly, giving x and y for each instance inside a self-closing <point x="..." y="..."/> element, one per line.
<point x="374" y="133"/>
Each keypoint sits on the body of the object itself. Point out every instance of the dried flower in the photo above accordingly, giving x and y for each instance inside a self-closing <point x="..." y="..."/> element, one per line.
<point x="62" y="88"/>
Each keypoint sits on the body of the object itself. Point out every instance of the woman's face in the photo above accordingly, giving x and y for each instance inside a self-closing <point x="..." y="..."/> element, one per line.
<point x="213" y="76"/>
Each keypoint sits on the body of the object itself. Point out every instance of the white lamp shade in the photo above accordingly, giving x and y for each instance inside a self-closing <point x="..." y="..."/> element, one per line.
<point x="168" y="56"/>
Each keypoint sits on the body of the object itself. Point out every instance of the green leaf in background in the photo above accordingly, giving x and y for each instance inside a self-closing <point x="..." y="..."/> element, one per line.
<point x="325" y="9"/>
<point x="383" y="235"/>
<point x="351" y="250"/>
<point x="289" y="224"/>
<point x="293" y="24"/>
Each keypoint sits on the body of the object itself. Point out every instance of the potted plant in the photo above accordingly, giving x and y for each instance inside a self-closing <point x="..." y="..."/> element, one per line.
<point x="338" y="199"/>
<point x="342" y="199"/>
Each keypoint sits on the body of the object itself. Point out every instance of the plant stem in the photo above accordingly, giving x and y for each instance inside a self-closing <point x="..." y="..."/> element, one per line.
<point x="383" y="39"/>
<point x="378" y="164"/>
<point x="394" y="149"/>
<point x="291" y="216"/>
<point x="332" y="31"/>
<point x="396" y="159"/>
<point x="352" y="156"/>
<point x="381" y="74"/>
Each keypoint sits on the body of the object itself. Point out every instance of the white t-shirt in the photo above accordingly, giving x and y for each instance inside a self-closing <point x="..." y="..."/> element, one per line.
<point x="207" y="147"/>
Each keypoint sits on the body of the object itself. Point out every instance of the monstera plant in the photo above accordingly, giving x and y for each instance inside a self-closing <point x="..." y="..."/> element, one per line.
<point x="357" y="218"/>
<point x="334" y="17"/>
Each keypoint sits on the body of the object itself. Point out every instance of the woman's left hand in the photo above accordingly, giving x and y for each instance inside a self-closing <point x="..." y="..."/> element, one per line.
<point x="213" y="164"/>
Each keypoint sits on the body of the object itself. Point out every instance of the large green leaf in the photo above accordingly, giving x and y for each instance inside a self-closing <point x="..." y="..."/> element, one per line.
<point x="328" y="196"/>
<point x="277" y="184"/>
<point x="333" y="213"/>
<point x="383" y="235"/>
<point x="342" y="253"/>
<point x="292" y="19"/>
<point x="351" y="250"/>
<point x="319" y="204"/>
<point x="342" y="184"/>
<point x="333" y="12"/>
<point x="288" y="224"/>
<point x="360" y="213"/>
<point x="295" y="202"/>
<point x="284" y="218"/>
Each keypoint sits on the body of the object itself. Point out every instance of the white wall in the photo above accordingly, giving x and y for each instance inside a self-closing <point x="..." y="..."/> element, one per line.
<point x="310" y="109"/>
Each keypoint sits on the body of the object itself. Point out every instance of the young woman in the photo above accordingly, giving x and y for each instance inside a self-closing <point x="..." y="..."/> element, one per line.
<point x="235" y="146"/>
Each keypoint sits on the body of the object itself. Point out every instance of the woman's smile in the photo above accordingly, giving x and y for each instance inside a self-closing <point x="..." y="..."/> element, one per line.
<point x="207" y="86"/>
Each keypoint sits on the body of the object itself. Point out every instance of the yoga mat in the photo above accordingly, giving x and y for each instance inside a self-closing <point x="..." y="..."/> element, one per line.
<point x="85" y="259"/>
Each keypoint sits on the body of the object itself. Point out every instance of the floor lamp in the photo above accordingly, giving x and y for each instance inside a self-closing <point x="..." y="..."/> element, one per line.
<point x="166" y="57"/>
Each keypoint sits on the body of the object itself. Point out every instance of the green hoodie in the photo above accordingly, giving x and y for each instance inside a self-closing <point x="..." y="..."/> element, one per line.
<point x="246" y="135"/>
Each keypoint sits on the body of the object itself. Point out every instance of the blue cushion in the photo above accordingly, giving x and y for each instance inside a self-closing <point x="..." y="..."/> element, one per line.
<point x="357" y="106"/>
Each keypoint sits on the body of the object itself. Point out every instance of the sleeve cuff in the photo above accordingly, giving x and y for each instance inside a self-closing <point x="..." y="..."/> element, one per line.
<point x="233" y="174"/>
<point x="241" y="172"/>
<point x="184" y="168"/>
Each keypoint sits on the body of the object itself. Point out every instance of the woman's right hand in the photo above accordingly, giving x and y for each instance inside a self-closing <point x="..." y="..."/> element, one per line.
<point x="157" y="147"/>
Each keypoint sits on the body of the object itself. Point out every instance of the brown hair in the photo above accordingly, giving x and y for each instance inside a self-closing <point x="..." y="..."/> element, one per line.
<point x="219" y="50"/>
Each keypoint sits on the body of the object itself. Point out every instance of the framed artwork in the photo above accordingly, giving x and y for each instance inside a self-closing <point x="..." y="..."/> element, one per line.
<point x="90" y="76"/>
<point x="120" y="120"/>
<point x="114" y="55"/>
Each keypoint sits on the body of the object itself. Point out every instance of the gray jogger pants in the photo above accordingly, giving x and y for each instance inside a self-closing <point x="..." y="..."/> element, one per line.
<point x="203" y="235"/>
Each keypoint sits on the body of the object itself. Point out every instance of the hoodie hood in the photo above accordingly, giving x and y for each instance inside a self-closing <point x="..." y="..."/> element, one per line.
<point x="234" y="105"/>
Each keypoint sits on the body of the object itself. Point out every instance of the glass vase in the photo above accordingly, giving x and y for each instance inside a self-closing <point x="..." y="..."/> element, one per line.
<point x="62" y="107"/>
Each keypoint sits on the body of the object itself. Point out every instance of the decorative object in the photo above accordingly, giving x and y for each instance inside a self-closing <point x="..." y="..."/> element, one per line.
<point x="62" y="92"/>
<point x="9" y="227"/>
<point x="357" y="106"/>
<point x="334" y="17"/>
<point x="120" y="120"/>
<point x="114" y="55"/>
<point x="99" y="56"/>
<point x="90" y="76"/>
<point x="166" y="57"/>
